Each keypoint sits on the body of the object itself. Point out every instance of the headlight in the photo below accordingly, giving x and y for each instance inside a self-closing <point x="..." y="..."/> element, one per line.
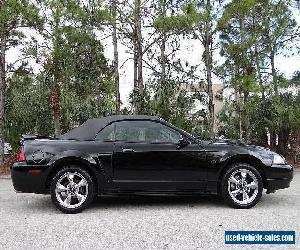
<point x="278" y="159"/>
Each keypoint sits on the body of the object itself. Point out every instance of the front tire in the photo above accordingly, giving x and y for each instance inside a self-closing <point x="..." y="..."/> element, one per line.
<point x="72" y="189"/>
<point x="242" y="186"/>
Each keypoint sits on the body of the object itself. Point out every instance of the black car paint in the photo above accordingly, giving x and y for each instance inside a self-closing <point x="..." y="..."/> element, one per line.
<point x="145" y="167"/>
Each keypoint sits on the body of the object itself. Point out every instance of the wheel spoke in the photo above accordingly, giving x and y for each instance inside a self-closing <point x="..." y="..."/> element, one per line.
<point x="82" y="183"/>
<point x="245" y="195"/>
<point x="243" y="186"/>
<point x="243" y="174"/>
<point x="71" y="190"/>
<point x="70" y="177"/>
<point x="67" y="201"/>
<point x="80" y="197"/>
<point x="233" y="180"/>
<point x="61" y="188"/>
<point x="235" y="192"/>
<point x="252" y="185"/>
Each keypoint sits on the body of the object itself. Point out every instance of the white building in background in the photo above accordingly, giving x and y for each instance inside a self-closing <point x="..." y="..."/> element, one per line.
<point x="218" y="100"/>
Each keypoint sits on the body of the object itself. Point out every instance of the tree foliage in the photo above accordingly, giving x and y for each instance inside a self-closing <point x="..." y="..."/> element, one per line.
<point x="71" y="79"/>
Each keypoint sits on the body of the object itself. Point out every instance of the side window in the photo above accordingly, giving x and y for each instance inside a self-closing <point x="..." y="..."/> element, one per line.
<point x="106" y="134"/>
<point x="129" y="131"/>
<point x="145" y="131"/>
<point x="159" y="133"/>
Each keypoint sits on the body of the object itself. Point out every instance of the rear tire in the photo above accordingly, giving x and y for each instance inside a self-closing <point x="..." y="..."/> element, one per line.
<point x="72" y="189"/>
<point x="241" y="186"/>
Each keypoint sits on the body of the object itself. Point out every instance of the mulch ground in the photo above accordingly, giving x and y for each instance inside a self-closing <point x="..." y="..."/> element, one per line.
<point x="4" y="170"/>
<point x="8" y="161"/>
<point x="292" y="162"/>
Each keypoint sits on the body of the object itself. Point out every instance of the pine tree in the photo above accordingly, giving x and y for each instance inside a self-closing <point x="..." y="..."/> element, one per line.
<point x="14" y="15"/>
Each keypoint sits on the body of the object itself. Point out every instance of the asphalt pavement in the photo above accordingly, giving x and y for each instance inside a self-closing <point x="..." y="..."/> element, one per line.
<point x="30" y="221"/>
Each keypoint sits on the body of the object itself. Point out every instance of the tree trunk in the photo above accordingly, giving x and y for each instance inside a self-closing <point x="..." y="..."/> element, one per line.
<point x="244" y="114"/>
<point x="165" y="111"/>
<point x="55" y="93"/>
<point x="272" y="140"/>
<point x="247" y="120"/>
<point x="116" y="56"/>
<point x="163" y="59"/>
<point x="208" y="65"/>
<point x="257" y="62"/>
<point x="163" y="47"/>
<point x="257" y="57"/>
<point x="139" y="56"/>
<point x="274" y="74"/>
<point x="135" y="68"/>
<point x="237" y="95"/>
<point x="2" y="96"/>
<point x="57" y="130"/>
<point x="140" y="81"/>
<point x="55" y="107"/>
<point x="239" y="111"/>
<point x="283" y="138"/>
<point x="140" y="59"/>
<point x="135" y="71"/>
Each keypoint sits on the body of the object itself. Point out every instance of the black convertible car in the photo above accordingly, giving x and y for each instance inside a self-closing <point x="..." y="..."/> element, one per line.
<point x="144" y="155"/>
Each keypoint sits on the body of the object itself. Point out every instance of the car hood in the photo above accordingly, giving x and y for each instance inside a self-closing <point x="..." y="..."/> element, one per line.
<point x="236" y="144"/>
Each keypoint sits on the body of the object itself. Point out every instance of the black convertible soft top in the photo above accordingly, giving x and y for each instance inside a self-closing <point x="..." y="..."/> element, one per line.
<point x="89" y="129"/>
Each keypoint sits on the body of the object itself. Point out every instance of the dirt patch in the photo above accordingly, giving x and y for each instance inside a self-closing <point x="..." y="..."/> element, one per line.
<point x="8" y="162"/>
<point x="4" y="170"/>
<point x="293" y="163"/>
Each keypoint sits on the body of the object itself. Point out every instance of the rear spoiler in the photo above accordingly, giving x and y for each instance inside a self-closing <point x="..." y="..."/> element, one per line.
<point x="28" y="137"/>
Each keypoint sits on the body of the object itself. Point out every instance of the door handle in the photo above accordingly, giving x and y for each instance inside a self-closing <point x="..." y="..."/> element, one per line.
<point x="127" y="150"/>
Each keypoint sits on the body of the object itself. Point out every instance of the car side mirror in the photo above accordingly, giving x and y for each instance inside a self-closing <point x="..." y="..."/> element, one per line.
<point x="182" y="143"/>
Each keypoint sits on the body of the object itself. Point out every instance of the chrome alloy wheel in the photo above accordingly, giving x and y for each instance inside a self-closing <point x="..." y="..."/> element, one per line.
<point x="71" y="190"/>
<point x="242" y="186"/>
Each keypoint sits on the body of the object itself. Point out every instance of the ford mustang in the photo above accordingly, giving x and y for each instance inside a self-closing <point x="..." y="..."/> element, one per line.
<point x="126" y="155"/>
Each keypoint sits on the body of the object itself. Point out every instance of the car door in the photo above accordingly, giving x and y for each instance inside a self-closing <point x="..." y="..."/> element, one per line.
<point x="147" y="156"/>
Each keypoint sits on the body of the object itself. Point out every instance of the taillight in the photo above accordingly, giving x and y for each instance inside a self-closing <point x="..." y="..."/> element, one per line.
<point x="21" y="154"/>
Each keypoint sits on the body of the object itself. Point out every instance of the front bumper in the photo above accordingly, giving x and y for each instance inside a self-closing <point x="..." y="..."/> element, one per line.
<point x="29" y="178"/>
<point x="279" y="177"/>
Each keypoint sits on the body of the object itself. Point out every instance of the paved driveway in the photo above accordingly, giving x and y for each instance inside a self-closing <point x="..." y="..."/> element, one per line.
<point x="29" y="221"/>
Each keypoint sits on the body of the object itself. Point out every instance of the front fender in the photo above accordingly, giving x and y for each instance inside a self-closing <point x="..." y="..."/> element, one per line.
<point x="231" y="158"/>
